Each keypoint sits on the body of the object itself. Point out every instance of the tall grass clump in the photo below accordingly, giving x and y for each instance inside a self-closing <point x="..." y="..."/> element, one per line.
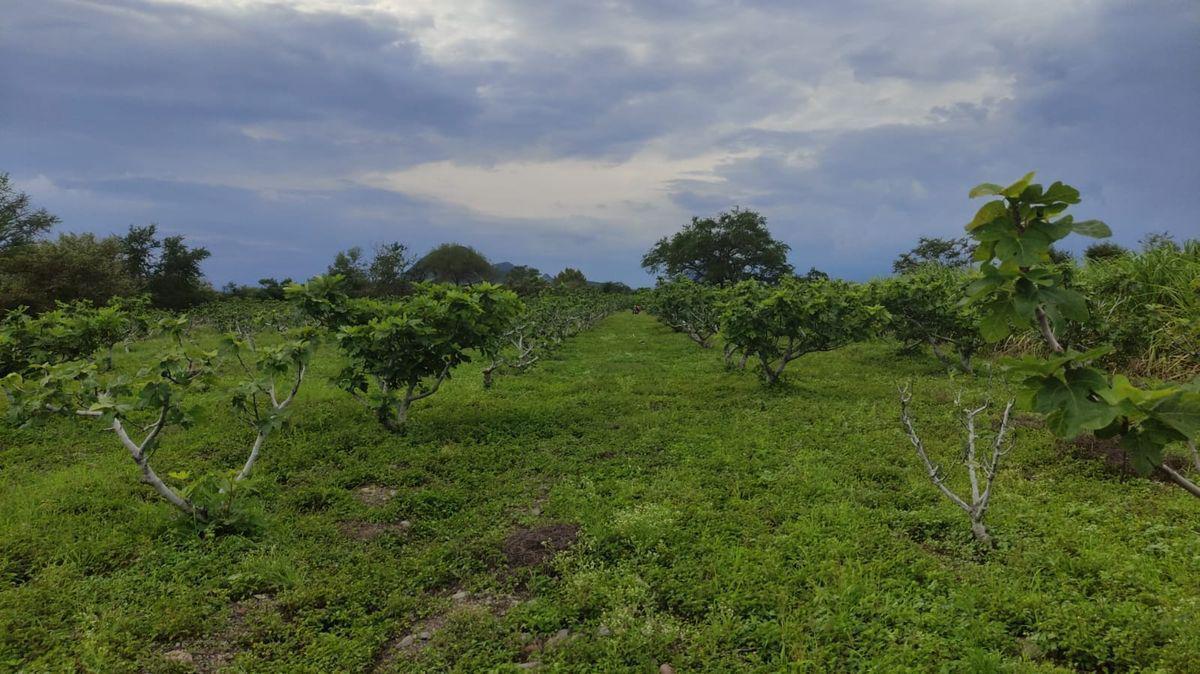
<point x="1147" y="305"/>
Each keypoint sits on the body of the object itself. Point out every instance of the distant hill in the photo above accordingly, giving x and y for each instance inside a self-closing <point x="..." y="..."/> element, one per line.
<point x="501" y="269"/>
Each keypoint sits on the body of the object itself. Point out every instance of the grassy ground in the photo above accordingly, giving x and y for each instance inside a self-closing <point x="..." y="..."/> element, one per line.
<point x="706" y="523"/>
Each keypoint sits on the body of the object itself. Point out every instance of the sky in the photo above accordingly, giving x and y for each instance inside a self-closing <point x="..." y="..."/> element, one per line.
<point x="576" y="133"/>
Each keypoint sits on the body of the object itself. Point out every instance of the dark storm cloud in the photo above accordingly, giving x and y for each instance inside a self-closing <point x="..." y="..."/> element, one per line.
<point x="247" y="128"/>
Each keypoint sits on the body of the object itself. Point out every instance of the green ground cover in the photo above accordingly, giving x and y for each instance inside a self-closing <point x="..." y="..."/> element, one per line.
<point x="703" y="521"/>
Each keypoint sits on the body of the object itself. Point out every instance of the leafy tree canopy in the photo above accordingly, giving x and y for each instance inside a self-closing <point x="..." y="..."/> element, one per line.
<point x="452" y="263"/>
<point x="951" y="253"/>
<point x="734" y="246"/>
<point x="20" y="223"/>
<point x="525" y="281"/>
<point x="72" y="267"/>
<point x="570" y="278"/>
<point x="1104" y="250"/>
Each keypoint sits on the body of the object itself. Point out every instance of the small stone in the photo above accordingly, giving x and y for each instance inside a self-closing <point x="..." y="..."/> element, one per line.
<point x="666" y="668"/>
<point x="262" y="597"/>
<point x="425" y="635"/>
<point x="603" y="631"/>
<point x="180" y="655"/>
<point x="460" y="595"/>
<point x="531" y="647"/>
<point x="536" y="510"/>
<point x="407" y="641"/>
<point x="559" y="637"/>
<point x="404" y="524"/>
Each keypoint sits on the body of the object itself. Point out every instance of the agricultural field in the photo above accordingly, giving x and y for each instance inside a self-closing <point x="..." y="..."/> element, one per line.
<point x="627" y="504"/>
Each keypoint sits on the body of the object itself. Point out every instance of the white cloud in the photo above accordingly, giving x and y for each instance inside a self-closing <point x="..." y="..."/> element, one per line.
<point x="628" y="193"/>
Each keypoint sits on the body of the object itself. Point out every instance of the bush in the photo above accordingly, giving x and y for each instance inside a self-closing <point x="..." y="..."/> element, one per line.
<point x="778" y="324"/>
<point x="401" y="351"/>
<point x="926" y="307"/>
<point x="688" y="307"/>
<point x="1147" y="306"/>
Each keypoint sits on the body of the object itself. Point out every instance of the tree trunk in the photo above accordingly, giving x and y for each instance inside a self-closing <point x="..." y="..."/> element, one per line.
<point x="981" y="532"/>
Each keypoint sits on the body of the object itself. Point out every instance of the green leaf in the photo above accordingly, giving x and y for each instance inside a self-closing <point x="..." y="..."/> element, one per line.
<point x="1093" y="228"/>
<point x="994" y="325"/>
<point x="1145" y="451"/>
<point x="1014" y="190"/>
<point x="986" y="189"/>
<point x="1070" y="303"/>
<point x="1060" y="192"/>
<point x="1180" y="411"/>
<point x="989" y="212"/>
<point x="1070" y="405"/>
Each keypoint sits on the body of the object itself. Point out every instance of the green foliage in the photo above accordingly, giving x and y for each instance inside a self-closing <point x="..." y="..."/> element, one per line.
<point x="952" y="253"/>
<point x="401" y="351"/>
<point x="388" y="269"/>
<point x="723" y="527"/>
<point x="544" y="325"/>
<point x="72" y="331"/>
<point x="58" y="378"/>
<point x="525" y="281"/>
<point x="778" y="324"/>
<point x="1147" y="306"/>
<point x="351" y="267"/>
<point x="247" y="315"/>
<point x="452" y="263"/>
<point x="177" y="282"/>
<point x="1104" y="250"/>
<point x="732" y="247"/>
<point x="688" y="307"/>
<point x="72" y="267"/>
<point x="571" y="279"/>
<point x="1020" y="287"/>
<point x="925" y="306"/>
<point x="20" y="223"/>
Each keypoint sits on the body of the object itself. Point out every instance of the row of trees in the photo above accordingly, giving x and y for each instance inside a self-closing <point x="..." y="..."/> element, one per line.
<point x="956" y="297"/>
<point x="36" y="272"/>
<point x="396" y="351"/>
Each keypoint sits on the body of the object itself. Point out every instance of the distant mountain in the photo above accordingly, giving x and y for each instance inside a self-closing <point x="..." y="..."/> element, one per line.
<point x="501" y="269"/>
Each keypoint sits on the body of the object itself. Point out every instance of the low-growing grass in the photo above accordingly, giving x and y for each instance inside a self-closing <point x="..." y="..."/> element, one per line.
<point x="721" y="526"/>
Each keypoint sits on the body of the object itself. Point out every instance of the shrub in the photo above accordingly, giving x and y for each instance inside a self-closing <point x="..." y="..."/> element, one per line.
<point x="153" y="400"/>
<point x="778" y="324"/>
<point x="401" y="351"/>
<point x="688" y="307"/>
<point x="926" y="307"/>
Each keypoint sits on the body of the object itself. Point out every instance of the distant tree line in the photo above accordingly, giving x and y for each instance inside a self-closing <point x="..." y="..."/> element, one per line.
<point x="37" y="271"/>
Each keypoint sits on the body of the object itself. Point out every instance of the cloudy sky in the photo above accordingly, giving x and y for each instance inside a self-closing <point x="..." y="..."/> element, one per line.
<point x="563" y="132"/>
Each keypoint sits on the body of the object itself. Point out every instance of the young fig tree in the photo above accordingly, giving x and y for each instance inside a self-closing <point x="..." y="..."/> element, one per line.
<point x="981" y="456"/>
<point x="401" y="351"/>
<point x="273" y="376"/>
<point x="688" y="307"/>
<point x="926" y="308"/>
<point x="139" y="408"/>
<point x="779" y="324"/>
<point x="1020" y="287"/>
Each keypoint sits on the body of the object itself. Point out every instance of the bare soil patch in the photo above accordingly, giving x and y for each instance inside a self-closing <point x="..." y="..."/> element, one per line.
<point x="365" y="531"/>
<point x="214" y="652"/>
<point x="528" y="547"/>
